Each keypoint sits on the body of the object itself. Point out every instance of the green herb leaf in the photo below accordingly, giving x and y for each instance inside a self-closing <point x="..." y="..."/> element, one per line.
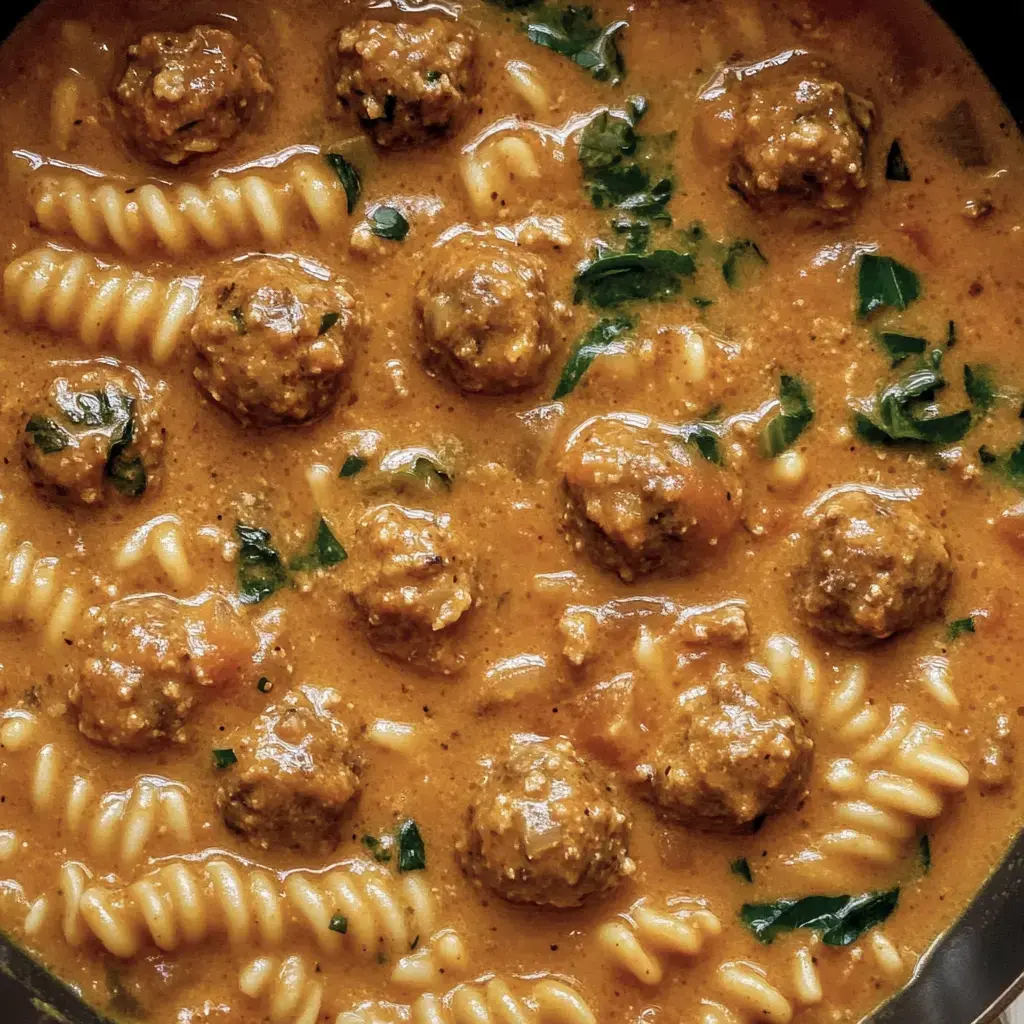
<point x="743" y="251"/>
<point x="128" y="475"/>
<point x="224" y="758"/>
<point x="702" y="303"/>
<point x="432" y="77"/>
<point x="882" y="283"/>
<point x="896" y="168"/>
<point x="238" y="316"/>
<point x="741" y="867"/>
<point x="597" y="340"/>
<point x="47" y="435"/>
<point x="348" y="176"/>
<point x="705" y="439"/>
<point x="572" y="32"/>
<point x="902" y="346"/>
<point x="412" y="853"/>
<point x="380" y="848"/>
<point x="327" y="321"/>
<point x="264" y="685"/>
<point x="951" y="334"/>
<point x="924" y="852"/>
<point x="432" y="475"/>
<point x="387" y="222"/>
<point x="352" y="465"/>
<point x="339" y="924"/>
<point x="325" y="551"/>
<point x="626" y="277"/>
<point x="260" y="569"/>
<point x="795" y="414"/>
<point x="958" y="627"/>
<point x="840" y="920"/>
<point x="980" y="387"/>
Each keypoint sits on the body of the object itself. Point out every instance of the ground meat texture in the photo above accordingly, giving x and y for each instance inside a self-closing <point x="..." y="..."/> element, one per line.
<point x="485" y="317"/>
<point x="93" y="432"/>
<point x="544" y="827"/>
<point x="188" y="93"/>
<point x="642" y="498"/>
<point x="293" y="781"/>
<point x="868" y="569"/>
<point x="794" y="136"/>
<point x="737" y="752"/>
<point x="997" y="748"/>
<point x="148" y="662"/>
<point x="407" y="83"/>
<point x="413" y="582"/>
<point x="273" y="343"/>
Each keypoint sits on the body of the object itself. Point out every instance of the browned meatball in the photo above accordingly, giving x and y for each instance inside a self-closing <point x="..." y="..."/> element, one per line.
<point x="793" y="135"/>
<point x="95" y="429"/>
<point x="273" y="343"/>
<point x="868" y="569"/>
<point x="485" y="317"/>
<point x="406" y="82"/>
<point x="147" y="663"/>
<point x="186" y="93"/>
<point x="737" y="752"/>
<point x="414" y="583"/>
<point x="293" y="780"/>
<point x="640" y="497"/>
<point x="544" y="827"/>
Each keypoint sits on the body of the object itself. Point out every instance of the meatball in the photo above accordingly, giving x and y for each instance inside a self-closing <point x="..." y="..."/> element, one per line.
<point x="641" y="497"/>
<point x="485" y="318"/>
<point x="544" y="828"/>
<point x="795" y="135"/>
<point x="148" y="662"/>
<point x="93" y="430"/>
<point x="293" y="780"/>
<point x="407" y="83"/>
<point x="737" y="752"/>
<point x="273" y="343"/>
<point x="187" y="93"/>
<point x="869" y="569"/>
<point x="414" y="584"/>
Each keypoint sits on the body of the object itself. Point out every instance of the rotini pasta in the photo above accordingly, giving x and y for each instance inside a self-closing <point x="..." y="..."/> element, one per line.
<point x="290" y="989"/>
<point x="490" y="1001"/>
<point x="116" y="826"/>
<point x="231" y="209"/>
<point x="30" y="590"/>
<point x="749" y="996"/>
<point x="633" y="940"/>
<point x="183" y="903"/>
<point x="102" y="303"/>
<point x="495" y="168"/>
<point x="161" y="538"/>
<point x="525" y="83"/>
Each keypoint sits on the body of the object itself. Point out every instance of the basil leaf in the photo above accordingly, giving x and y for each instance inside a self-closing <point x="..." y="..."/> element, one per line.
<point x="572" y="32"/>
<point x="126" y="472"/>
<point x="327" y="321"/>
<point x="352" y="465"/>
<point x="742" y="251"/>
<point x="980" y="388"/>
<point x="380" y="848"/>
<point x="348" y="176"/>
<point x="1010" y="466"/>
<point x="260" y="569"/>
<point x="609" y="281"/>
<point x="795" y="415"/>
<point x="387" y="222"/>
<point x="338" y="923"/>
<point x="902" y="346"/>
<point x="705" y="439"/>
<point x="47" y="435"/>
<point x="741" y="867"/>
<point x="431" y="474"/>
<point x="587" y="349"/>
<point x="958" y="627"/>
<point x="238" y="317"/>
<point x="325" y="551"/>
<point x="896" y="168"/>
<point x="883" y="283"/>
<point x="412" y="853"/>
<point x="840" y="920"/>
<point x="224" y="758"/>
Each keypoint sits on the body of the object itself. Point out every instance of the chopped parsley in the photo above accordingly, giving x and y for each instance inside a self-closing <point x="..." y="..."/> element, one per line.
<point x="795" y="414"/>
<point x="840" y="920"/>
<point x="348" y="176"/>
<point x="47" y="434"/>
<point x="260" y="569"/>
<point x="352" y="465"/>
<point x="412" y="853"/>
<point x="1010" y="465"/>
<point x="741" y="867"/>
<point x="327" y="321"/>
<point x="387" y="222"/>
<point x="705" y="439"/>
<point x="572" y="32"/>
<point x="592" y="344"/>
<point x="224" y="758"/>
<point x="380" y="848"/>
<point x="338" y="923"/>
<point x="902" y="346"/>
<point x="238" y="317"/>
<point x="959" y="627"/>
<point x="883" y="283"/>
<point x="611" y="280"/>
<point x="432" y="77"/>
<point x="896" y="168"/>
<point x="980" y="387"/>
<point x="738" y="254"/>
<point x="324" y="551"/>
<point x="264" y="685"/>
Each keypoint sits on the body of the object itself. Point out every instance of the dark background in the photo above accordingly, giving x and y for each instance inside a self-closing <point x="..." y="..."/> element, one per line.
<point x="972" y="970"/>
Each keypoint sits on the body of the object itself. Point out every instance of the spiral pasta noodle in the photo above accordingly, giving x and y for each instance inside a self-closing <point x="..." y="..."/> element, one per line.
<point x="103" y="304"/>
<point x="633" y="941"/>
<point x="31" y="592"/>
<point x="230" y="209"/>
<point x="183" y="903"/>
<point x="748" y="997"/>
<point x="162" y="540"/>
<point x="495" y="169"/>
<point x="289" y="988"/>
<point x="116" y="826"/>
<point x="493" y="1001"/>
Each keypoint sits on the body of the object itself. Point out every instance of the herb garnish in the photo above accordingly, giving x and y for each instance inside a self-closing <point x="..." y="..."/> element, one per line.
<point x="883" y="283"/>
<point x="741" y="867"/>
<point x="338" y="923"/>
<point x="958" y="627"/>
<point x="412" y="854"/>
<point x="597" y="340"/>
<point x="738" y="254"/>
<point x="387" y="222"/>
<point x="840" y="920"/>
<point x="572" y="32"/>
<point x="260" y="569"/>
<point x="380" y="848"/>
<point x="324" y="551"/>
<point x="902" y="346"/>
<point x="47" y="435"/>
<point x="327" y="321"/>
<point x="352" y="465"/>
<point x="924" y="853"/>
<point x="348" y="176"/>
<point x="612" y="280"/>
<point x="224" y="758"/>
<point x="896" y="168"/>
<point x="794" y="416"/>
<point x="980" y="387"/>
